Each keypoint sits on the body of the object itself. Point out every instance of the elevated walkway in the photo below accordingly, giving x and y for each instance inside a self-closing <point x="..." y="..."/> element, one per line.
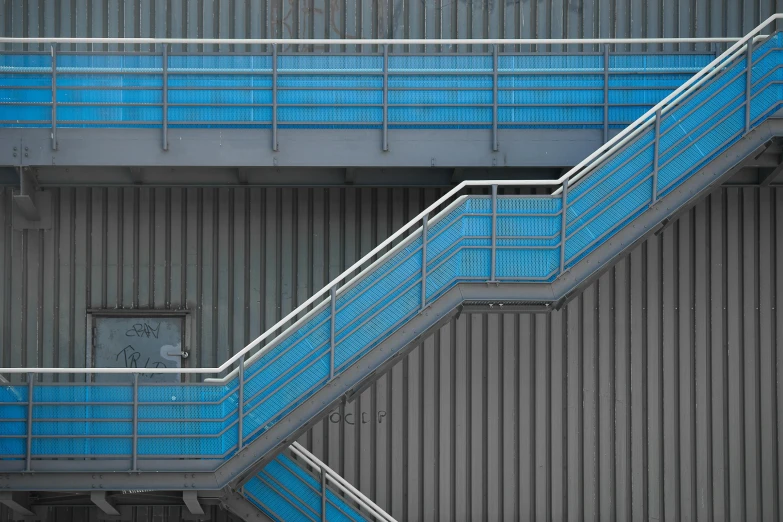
<point x="497" y="106"/>
<point x="500" y="247"/>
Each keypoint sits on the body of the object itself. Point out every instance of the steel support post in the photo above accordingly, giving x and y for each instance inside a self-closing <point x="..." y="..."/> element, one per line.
<point x="563" y="224"/>
<point x="333" y="307"/>
<point x="54" y="97"/>
<point x="30" y="391"/>
<point x="748" y="79"/>
<point x="494" y="98"/>
<point x="656" y="155"/>
<point x="323" y="495"/>
<point x="494" y="232"/>
<point x="135" y="448"/>
<point x="385" y="139"/>
<point x="165" y="116"/>
<point x="274" y="97"/>
<point x="606" y="93"/>
<point x="241" y="401"/>
<point x="424" y="228"/>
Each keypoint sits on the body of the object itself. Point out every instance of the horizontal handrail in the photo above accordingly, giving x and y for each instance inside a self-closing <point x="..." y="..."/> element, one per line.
<point x="366" y="41"/>
<point x="572" y="176"/>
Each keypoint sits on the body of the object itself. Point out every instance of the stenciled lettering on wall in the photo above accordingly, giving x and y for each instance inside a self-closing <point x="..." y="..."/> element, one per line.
<point x="354" y="418"/>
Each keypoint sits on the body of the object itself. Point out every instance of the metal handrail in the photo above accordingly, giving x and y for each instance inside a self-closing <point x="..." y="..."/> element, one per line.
<point x="366" y="41"/>
<point x="340" y="483"/>
<point x="592" y="162"/>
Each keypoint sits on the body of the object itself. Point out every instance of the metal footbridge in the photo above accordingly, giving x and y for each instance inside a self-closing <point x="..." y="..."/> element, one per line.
<point x="483" y="242"/>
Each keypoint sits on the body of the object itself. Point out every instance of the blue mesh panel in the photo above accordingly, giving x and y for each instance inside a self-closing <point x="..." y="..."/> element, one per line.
<point x="25" y="62"/>
<point x="184" y="81"/>
<point x="650" y="62"/>
<point x="551" y="96"/>
<point x="13" y="447"/>
<point x="544" y="62"/>
<point x="108" y="62"/>
<point x="287" y="492"/>
<point x="458" y="244"/>
<point x="220" y="97"/>
<point x="330" y="114"/>
<point x="329" y="97"/>
<point x="222" y="62"/>
<point x="550" y="114"/>
<point x="219" y="114"/>
<point x="440" y="63"/>
<point x="329" y="62"/>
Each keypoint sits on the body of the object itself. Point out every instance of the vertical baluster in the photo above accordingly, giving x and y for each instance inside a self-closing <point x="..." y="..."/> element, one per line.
<point x="748" y="78"/>
<point x="494" y="232"/>
<point x="333" y="307"/>
<point x="165" y="117"/>
<point x="563" y="224"/>
<point x="424" y="228"/>
<point x="385" y="98"/>
<point x="274" y="97"/>
<point x="606" y="93"/>
<point x="54" y="97"/>
<point x="30" y="392"/>
<point x="135" y="448"/>
<point x="241" y="401"/>
<point x="656" y="155"/>
<point x="494" y="98"/>
<point x="323" y="495"/>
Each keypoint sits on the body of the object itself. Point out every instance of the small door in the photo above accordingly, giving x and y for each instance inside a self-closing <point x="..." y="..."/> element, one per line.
<point x="138" y="342"/>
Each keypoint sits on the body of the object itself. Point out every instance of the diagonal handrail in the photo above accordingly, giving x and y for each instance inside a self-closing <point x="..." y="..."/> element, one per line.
<point x="731" y="67"/>
<point x="584" y="167"/>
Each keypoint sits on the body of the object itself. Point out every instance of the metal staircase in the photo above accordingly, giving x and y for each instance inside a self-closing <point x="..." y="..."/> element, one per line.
<point x="491" y="247"/>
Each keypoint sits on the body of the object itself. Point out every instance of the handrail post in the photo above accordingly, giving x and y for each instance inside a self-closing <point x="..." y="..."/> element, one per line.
<point x="30" y="391"/>
<point x="333" y="307"/>
<point x="274" y="97"/>
<point x="165" y="115"/>
<point x="563" y="224"/>
<point x="323" y="495"/>
<point x="424" y="228"/>
<point x="494" y="232"/>
<point x="54" y="97"/>
<point x="606" y="93"/>
<point x="135" y="449"/>
<point x="385" y="140"/>
<point x="241" y="400"/>
<point x="656" y="155"/>
<point x="748" y="79"/>
<point x="494" y="98"/>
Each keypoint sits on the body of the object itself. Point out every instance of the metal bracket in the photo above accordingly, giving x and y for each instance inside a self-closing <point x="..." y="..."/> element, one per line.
<point x="190" y="498"/>
<point x="104" y="504"/>
<point x="25" y="200"/>
<point x="17" y="501"/>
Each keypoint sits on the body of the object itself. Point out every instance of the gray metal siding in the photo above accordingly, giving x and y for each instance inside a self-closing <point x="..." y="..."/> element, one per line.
<point x="382" y="18"/>
<point x="652" y="394"/>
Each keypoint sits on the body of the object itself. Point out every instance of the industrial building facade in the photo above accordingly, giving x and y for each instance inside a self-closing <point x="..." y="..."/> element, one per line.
<point x="650" y="391"/>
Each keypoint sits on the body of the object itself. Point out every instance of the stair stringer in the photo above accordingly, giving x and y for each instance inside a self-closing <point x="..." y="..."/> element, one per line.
<point x="554" y="295"/>
<point x="260" y="451"/>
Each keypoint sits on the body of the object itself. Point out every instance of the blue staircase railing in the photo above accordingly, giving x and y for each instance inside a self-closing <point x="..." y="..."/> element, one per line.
<point x="469" y="238"/>
<point x="378" y="90"/>
<point x="296" y="486"/>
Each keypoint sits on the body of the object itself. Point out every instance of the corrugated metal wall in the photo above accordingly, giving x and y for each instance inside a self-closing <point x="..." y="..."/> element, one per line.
<point x="653" y="394"/>
<point x="383" y="18"/>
